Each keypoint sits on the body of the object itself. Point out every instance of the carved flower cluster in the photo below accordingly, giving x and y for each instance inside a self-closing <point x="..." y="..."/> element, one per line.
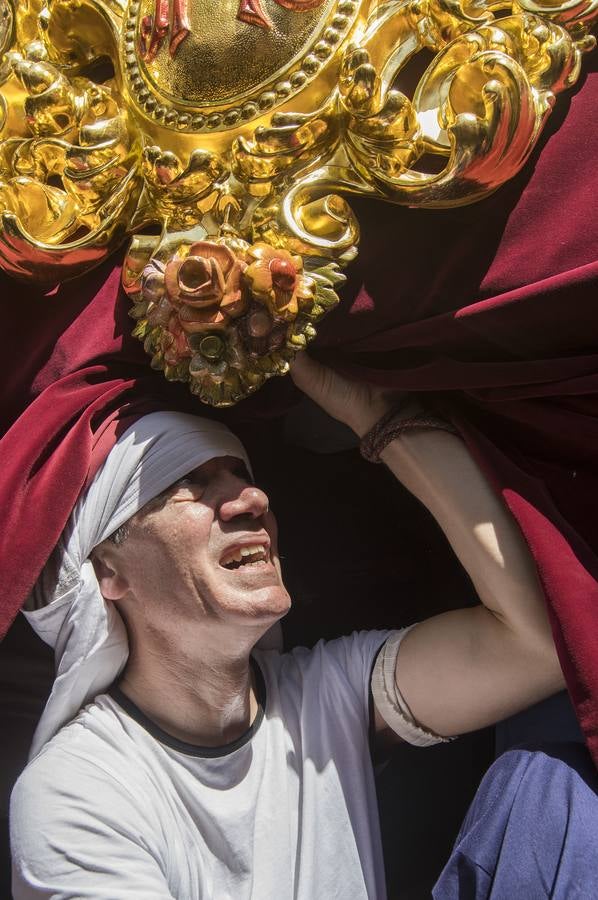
<point x="223" y="318"/>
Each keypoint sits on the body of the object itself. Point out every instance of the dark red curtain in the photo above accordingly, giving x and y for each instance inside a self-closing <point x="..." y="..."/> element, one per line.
<point x="491" y="311"/>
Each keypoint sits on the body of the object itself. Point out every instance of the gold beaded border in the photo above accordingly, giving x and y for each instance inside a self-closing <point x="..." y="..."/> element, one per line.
<point x="307" y="69"/>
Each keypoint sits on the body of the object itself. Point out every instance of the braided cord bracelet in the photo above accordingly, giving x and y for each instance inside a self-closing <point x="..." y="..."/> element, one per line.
<point x="391" y="426"/>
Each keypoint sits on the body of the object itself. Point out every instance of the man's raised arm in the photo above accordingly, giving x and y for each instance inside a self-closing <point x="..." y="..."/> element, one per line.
<point x="465" y="669"/>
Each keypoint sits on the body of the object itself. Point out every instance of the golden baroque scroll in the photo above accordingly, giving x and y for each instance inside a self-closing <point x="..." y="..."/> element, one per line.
<point x="221" y="137"/>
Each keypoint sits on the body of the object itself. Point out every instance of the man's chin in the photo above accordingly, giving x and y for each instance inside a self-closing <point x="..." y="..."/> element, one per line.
<point x="265" y="604"/>
<point x="273" y="601"/>
<point x="253" y="592"/>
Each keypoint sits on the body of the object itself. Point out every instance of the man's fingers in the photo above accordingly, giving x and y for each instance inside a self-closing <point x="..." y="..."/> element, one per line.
<point x="321" y="384"/>
<point x="307" y="374"/>
<point x="301" y="364"/>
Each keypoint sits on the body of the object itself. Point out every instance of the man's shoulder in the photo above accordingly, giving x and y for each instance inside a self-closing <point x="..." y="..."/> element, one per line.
<point x="344" y="651"/>
<point x="343" y="663"/>
<point x="91" y="750"/>
<point x="82" y="802"/>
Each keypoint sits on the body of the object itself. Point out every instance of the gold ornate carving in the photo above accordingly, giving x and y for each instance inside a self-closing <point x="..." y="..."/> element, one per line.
<point x="223" y="135"/>
<point x="204" y="77"/>
<point x="224" y="315"/>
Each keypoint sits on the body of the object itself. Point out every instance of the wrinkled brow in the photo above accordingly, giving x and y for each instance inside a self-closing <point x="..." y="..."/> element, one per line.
<point x="160" y="499"/>
<point x="239" y="469"/>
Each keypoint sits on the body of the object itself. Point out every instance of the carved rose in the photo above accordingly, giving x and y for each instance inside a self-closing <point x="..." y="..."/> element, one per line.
<point x="214" y="356"/>
<point x="207" y="284"/>
<point x="174" y="342"/>
<point x="276" y="280"/>
<point x="224" y="317"/>
<point x="197" y="293"/>
<point x="260" y="332"/>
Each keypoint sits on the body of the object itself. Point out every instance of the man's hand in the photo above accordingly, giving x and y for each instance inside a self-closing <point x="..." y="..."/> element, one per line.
<point x="356" y="404"/>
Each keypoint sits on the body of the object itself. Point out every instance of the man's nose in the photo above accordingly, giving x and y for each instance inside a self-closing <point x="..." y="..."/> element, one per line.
<point x="243" y="500"/>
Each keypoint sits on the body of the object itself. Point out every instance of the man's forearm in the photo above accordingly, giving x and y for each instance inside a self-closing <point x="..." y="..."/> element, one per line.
<point x="468" y="668"/>
<point x="439" y="470"/>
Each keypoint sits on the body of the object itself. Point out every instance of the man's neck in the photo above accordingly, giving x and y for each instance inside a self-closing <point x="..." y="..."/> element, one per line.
<point x="207" y="699"/>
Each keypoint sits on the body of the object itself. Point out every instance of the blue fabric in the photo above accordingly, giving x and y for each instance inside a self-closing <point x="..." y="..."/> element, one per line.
<point x="531" y="831"/>
<point x="550" y="720"/>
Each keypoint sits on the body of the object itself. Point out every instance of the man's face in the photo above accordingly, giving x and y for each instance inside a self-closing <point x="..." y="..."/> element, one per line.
<point x="205" y="549"/>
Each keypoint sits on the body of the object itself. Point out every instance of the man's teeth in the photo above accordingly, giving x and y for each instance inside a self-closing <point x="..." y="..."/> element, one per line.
<point x="245" y="555"/>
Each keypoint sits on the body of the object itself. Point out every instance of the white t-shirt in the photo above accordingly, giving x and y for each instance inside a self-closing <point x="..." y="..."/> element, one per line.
<point x="108" y="810"/>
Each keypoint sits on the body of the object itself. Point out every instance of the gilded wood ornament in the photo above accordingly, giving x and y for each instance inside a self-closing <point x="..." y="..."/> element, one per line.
<point x="222" y="138"/>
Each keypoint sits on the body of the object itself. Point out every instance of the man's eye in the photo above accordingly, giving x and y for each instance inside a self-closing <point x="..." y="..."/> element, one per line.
<point x="241" y="472"/>
<point x="187" y="482"/>
<point x="183" y="484"/>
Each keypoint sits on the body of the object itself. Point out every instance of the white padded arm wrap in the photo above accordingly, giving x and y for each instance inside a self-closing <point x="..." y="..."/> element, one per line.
<point x="389" y="701"/>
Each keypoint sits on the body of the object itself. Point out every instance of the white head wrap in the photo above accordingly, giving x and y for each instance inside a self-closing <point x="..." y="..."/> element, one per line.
<point x="66" y="607"/>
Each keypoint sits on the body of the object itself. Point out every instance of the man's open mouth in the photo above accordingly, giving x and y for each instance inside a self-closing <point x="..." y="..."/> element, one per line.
<point x="251" y="555"/>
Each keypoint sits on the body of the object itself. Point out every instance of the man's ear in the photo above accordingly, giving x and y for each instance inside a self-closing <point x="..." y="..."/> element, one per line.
<point x="113" y="585"/>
